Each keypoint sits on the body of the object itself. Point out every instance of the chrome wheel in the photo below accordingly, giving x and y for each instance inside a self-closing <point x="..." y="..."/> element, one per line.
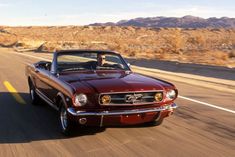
<point x="66" y="124"/>
<point x="64" y="118"/>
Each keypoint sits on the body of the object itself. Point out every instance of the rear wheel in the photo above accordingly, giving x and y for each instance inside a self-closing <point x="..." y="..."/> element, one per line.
<point x="66" y="123"/>
<point x="35" y="99"/>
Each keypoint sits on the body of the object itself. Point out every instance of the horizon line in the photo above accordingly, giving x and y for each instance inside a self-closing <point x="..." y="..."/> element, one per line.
<point x="48" y="25"/>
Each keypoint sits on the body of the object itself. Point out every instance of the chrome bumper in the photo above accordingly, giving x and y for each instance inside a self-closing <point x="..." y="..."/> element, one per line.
<point x="169" y="107"/>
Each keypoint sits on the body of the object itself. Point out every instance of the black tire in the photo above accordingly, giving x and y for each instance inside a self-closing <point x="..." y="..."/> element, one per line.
<point x="155" y="122"/>
<point x="66" y="124"/>
<point x="35" y="99"/>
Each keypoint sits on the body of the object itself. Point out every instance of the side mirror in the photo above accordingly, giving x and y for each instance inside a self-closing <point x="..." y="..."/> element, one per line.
<point x="36" y="65"/>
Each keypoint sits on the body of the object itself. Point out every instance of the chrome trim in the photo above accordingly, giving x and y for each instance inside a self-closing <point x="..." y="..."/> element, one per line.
<point x="144" y="97"/>
<point x="144" y="91"/>
<point x="46" y="99"/>
<point x="130" y="92"/>
<point x="148" y="97"/>
<point x="101" y="120"/>
<point x="121" y="112"/>
<point x="118" y="99"/>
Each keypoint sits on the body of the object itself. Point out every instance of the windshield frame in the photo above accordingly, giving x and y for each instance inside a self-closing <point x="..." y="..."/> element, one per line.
<point x="54" y="68"/>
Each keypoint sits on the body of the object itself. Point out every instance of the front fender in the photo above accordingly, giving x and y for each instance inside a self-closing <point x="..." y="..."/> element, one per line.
<point x="67" y="101"/>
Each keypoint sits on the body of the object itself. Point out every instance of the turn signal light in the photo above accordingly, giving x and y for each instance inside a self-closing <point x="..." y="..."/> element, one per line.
<point x="105" y="99"/>
<point x="158" y="97"/>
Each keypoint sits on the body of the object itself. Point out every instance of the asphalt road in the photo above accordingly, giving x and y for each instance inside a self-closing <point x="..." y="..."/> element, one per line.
<point x="194" y="129"/>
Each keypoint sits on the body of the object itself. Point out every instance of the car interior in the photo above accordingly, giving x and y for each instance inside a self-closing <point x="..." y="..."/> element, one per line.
<point x="44" y="65"/>
<point x="91" y="65"/>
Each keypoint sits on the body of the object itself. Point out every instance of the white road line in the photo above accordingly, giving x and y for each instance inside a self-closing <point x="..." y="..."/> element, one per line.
<point x="182" y="97"/>
<point x="207" y="104"/>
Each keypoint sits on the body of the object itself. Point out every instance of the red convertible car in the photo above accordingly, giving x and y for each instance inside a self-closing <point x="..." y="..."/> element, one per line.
<point x="98" y="88"/>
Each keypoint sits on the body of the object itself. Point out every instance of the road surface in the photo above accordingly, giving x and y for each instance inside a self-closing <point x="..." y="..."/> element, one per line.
<point x="195" y="129"/>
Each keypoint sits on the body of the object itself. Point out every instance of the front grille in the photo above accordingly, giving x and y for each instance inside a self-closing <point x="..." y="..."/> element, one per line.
<point x="131" y="98"/>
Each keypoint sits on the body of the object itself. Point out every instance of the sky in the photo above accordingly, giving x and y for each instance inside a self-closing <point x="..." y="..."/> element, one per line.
<point x="83" y="12"/>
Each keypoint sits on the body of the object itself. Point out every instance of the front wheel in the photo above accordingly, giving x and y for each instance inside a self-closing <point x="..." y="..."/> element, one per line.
<point x="155" y="122"/>
<point x="65" y="123"/>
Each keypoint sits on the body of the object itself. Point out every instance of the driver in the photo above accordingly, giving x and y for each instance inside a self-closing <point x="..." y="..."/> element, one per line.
<point x="100" y="59"/>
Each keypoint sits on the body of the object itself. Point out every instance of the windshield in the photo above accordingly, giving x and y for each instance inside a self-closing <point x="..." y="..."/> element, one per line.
<point x="77" y="61"/>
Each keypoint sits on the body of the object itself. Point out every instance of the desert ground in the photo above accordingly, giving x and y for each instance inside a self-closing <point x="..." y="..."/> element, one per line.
<point x="208" y="46"/>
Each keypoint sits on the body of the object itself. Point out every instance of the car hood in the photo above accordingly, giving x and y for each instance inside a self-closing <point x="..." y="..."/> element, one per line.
<point x="104" y="82"/>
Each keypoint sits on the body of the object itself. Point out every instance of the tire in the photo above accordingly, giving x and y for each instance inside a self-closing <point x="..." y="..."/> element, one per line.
<point x="35" y="99"/>
<point x="158" y="121"/>
<point x="66" y="124"/>
<point x="155" y="122"/>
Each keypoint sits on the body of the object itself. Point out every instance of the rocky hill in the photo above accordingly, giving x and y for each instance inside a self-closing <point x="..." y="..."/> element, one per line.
<point x="173" y="22"/>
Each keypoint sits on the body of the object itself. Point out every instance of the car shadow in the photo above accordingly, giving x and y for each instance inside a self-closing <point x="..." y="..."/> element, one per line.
<point x="24" y="123"/>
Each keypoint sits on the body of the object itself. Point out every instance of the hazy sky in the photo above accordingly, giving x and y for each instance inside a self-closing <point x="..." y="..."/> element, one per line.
<point x="81" y="12"/>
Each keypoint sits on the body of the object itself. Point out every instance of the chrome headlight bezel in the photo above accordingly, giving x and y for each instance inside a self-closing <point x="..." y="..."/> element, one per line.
<point x="171" y="94"/>
<point x="80" y="100"/>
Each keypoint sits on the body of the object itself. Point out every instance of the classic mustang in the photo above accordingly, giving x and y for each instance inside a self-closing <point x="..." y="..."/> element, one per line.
<point x="98" y="88"/>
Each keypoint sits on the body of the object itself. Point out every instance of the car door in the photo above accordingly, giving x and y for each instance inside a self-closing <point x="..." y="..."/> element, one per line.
<point x="47" y="84"/>
<point x="41" y="82"/>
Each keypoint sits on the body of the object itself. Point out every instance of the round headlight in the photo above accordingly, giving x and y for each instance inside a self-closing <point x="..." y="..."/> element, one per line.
<point x="171" y="94"/>
<point x="158" y="97"/>
<point x="80" y="100"/>
<point x="105" y="99"/>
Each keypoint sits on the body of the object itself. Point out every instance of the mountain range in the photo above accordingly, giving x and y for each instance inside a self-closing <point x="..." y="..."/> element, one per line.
<point x="170" y="22"/>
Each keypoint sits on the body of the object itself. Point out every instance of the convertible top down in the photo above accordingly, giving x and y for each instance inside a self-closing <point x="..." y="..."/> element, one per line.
<point x="92" y="87"/>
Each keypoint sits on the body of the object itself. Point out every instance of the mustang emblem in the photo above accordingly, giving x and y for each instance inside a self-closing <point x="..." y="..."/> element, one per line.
<point x="133" y="98"/>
